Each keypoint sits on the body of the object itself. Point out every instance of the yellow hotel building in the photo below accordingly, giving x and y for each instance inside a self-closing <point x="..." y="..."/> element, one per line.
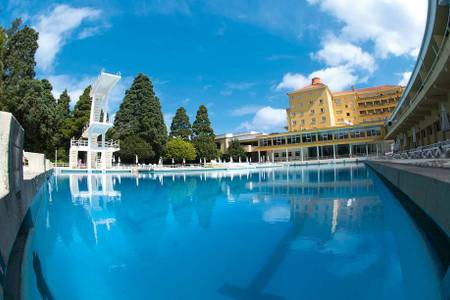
<point x="325" y="125"/>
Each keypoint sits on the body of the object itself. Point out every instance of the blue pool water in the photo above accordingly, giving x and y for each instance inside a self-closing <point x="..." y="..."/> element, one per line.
<point x="297" y="233"/>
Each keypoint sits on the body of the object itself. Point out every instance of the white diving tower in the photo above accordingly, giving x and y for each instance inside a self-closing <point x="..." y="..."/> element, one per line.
<point x="93" y="140"/>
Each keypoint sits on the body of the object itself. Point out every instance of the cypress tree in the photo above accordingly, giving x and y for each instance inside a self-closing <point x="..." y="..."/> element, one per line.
<point x="202" y="125"/>
<point x="80" y="116"/>
<point x="28" y="99"/>
<point x="19" y="54"/>
<point x="203" y="135"/>
<point x="181" y="127"/>
<point x="140" y="115"/>
<point x="63" y="116"/>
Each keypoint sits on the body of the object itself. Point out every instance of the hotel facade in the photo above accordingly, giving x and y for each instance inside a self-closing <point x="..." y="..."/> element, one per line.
<point x="326" y="125"/>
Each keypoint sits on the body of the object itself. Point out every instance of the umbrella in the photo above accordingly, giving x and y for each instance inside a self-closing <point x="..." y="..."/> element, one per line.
<point x="231" y="159"/>
<point x="246" y="159"/>
<point x="239" y="159"/>
<point x="173" y="161"/>
<point x="184" y="161"/>
<point x="137" y="159"/>
<point x="200" y="160"/>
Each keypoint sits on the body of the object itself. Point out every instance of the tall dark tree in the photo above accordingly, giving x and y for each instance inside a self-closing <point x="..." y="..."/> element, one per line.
<point x="2" y="53"/>
<point x="63" y="120"/>
<point x="80" y="115"/>
<point x="35" y="111"/>
<point x="181" y="127"/>
<point x="19" y="54"/>
<point x="202" y="125"/>
<point x="140" y="115"/>
<point x="203" y="135"/>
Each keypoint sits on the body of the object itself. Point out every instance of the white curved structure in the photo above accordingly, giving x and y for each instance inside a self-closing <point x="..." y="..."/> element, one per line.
<point x="421" y="116"/>
<point x="93" y="140"/>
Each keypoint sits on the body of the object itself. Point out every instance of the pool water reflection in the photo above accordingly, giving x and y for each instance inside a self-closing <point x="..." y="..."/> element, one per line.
<point x="295" y="233"/>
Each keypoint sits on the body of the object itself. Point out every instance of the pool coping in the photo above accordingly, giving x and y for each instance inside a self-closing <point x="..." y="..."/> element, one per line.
<point x="424" y="193"/>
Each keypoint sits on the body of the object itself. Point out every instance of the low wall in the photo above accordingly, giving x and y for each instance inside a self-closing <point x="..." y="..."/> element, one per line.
<point x="18" y="186"/>
<point x="426" y="191"/>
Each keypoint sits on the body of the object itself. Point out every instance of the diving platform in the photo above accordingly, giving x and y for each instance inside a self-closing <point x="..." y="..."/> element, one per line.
<point x="99" y="151"/>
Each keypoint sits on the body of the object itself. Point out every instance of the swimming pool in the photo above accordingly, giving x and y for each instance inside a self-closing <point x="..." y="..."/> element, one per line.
<point x="328" y="232"/>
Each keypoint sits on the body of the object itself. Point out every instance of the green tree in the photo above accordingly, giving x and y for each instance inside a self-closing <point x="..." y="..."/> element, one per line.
<point x="140" y="115"/>
<point x="131" y="146"/>
<point x="178" y="149"/>
<point x="35" y="110"/>
<point x="2" y="52"/>
<point x="181" y="127"/>
<point x="79" y="118"/>
<point x="63" y="119"/>
<point x="235" y="150"/>
<point x="19" y="54"/>
<point x="28" y="99"/>
<point x="202" y="125"/>
<point x="203" y="135"/>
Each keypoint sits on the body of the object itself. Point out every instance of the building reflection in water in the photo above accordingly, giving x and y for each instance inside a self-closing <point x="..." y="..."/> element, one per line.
<point x="320" y="203"/>
<point x="95" y="192"/>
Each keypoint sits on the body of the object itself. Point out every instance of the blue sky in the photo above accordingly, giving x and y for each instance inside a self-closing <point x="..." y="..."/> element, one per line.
<point x="237" y="57"/>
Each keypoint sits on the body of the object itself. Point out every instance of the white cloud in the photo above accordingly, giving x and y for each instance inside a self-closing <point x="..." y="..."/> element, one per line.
<point x="293" y="81"/>
<point x="245" y="110"/>
<point x="337" y="78"/>
<point x="346" y="65"/>
<point x="405" y="78"/>
<point x="336" y="52"/>
<point x="395" y="27"/>
<point x="56" y="27"/>
<point x="266" y="119"/>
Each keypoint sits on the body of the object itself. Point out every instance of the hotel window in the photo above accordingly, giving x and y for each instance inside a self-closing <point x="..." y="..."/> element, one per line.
<point x="325" y="136"/>
<point x="341" y="135"/>
<point x="322" y="110"/>
<point x="313" y="120"/>
<point x="310" y="102"/>
<point x="324" y="119"/>
<point x="356" y="134"/>
<point x="338" y="112"/>
<point x="301" y="114"/>
<point x="338" y="101"/>
<point x="312" y="111"/>
<point x="293" y="123"/>
<point x="340" y="120"/>
<point x="308" y="138"/>
<point x="298" y="153"/>
<point x="292" y="114"/>
<point x="321" y="101"/>
<point x="303" y="122"/>
<point x="346" y="106"/>
<point x="301" y="104"/>
<point x="348" y="114"/>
